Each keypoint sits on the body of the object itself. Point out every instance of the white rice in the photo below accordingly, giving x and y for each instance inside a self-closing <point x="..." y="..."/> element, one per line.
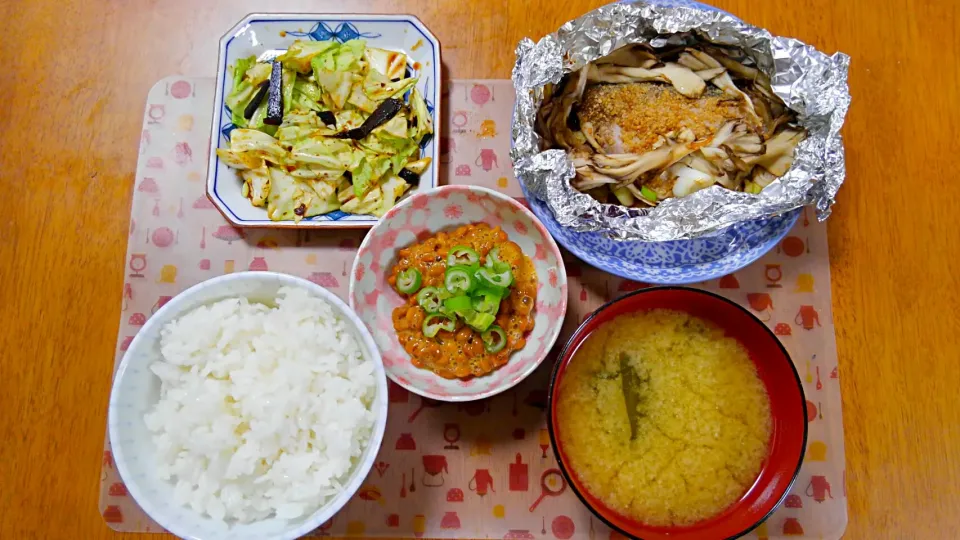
<point x="263" y="411"/>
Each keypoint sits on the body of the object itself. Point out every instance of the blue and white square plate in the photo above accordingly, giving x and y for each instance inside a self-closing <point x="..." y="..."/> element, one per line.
<point x="258" y="33"/>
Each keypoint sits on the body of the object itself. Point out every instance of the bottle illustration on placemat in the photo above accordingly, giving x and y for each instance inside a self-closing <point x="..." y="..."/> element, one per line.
<point x="487" y="159"/>
<point x="481" y="482"/>
<point x="519" y="474"/>
<point x="819" y="488"/>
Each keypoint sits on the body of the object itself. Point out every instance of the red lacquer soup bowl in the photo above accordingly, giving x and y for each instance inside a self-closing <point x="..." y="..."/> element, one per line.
<point x="787" y="405"/>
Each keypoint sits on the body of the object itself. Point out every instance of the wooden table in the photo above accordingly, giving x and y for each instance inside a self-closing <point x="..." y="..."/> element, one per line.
<point x="75" y="76"/>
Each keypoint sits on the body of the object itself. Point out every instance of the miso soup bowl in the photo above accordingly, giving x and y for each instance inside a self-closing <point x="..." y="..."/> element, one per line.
<point x="787" y="403"/>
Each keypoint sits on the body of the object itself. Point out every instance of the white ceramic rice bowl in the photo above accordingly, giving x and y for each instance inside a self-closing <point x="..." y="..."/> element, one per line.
<point x="136" y="389"/>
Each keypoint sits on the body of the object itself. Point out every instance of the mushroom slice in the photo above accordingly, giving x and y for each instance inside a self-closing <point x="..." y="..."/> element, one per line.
<point x="629" y="56"/>
<point x="638" y="194"/>
<point x="580" y="160"/>
<point x="673" y="154"/>
<point x="734" y="66"/>
<point x="705" y="59"/>
<point x="771" y="127"/>
<point x="612" y="161"/>
<point x="683" y="79"/>
<point x="700" y="163"/>
<point x="725" y="83"/>
<point x="624" y="195"/>
<point x="643" y="163"/>
<point x="779" y="155"/>
<point x="689" y="180"/>
<point x="686" y="135"/>
<point x="588" y="179"/>
<point x="588" y="133"/>
<point x="692" y="62"/>
<point x="557" y="122"/>
<point x="710" y="74"/>
<point x="738" y="163"/>
<point x="746" y="143"/>
<point x="762" y="177"/>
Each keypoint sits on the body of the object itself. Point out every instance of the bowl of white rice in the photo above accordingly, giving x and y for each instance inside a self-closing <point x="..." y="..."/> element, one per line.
<point x="250" y="406"/>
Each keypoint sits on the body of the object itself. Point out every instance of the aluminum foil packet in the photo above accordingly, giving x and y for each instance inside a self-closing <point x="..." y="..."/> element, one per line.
<point x="810" y="82"/>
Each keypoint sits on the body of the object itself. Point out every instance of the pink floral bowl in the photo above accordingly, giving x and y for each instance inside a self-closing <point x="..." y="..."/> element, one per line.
<point x="426" y="214"/>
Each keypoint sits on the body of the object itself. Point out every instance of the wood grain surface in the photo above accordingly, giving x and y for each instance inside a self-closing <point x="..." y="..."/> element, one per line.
<point x="72" y="90"/>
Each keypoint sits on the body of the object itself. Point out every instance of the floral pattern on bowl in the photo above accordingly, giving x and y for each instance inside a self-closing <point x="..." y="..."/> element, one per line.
<point x="425" y="214"/>
<point x="259" y="33"/>
<point x="676" y="262"/>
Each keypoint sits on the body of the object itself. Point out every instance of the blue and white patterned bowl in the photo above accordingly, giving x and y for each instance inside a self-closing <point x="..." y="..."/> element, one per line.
<point x="675" y="262"/>
<point x="261" y="32"/>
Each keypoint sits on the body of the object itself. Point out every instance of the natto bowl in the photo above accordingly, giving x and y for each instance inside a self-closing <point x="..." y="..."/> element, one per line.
<point x="422" y="216"/>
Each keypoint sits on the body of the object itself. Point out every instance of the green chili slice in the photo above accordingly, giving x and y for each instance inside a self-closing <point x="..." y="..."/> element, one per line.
<point x="462" y="256"/>
<point x="494" y="339"/>
<point x="459" y="280"/>
<point x="429" y="299"/>
<point x="409" y="280"/>
<point x="436" y="322"/>
<point x="488" y="276"/>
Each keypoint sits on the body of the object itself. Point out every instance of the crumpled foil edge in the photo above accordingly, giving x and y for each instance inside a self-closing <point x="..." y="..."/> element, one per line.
<point x="810" y="82"/>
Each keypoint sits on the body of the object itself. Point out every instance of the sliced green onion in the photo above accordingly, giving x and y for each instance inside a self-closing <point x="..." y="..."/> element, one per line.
<point x="648" y="194"/>
<point x="493" y="260"/>
<point x="459" y="280"/>
<point x="457" y="304"/>
<point x="490" y="277"/>
<point x="429" y="299"/>
<point x="479" y="321"/>
<point x="490" y="290"/>
<point x="462" y="256"/>
<point x="487" y="303"/>
<point x="493" y="256"/>
<point x="494" y="339"/>
<point x="408" y="281"/>
<point x="436" y="322"/>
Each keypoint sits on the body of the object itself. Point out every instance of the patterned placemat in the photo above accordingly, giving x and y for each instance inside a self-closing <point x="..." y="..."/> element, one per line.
<point x="477" y="470"/>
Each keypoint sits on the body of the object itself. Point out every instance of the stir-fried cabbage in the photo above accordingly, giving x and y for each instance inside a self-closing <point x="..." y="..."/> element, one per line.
<point x="309" y="165"/>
